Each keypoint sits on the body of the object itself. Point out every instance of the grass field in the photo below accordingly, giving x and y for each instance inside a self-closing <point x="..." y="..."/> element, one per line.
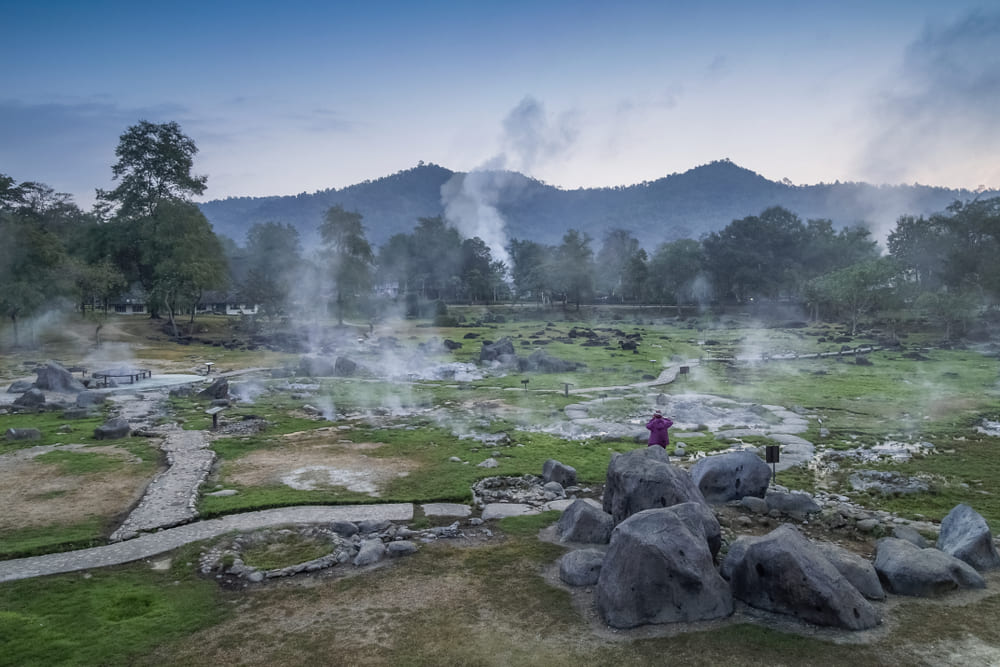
<point x="496" y="603"/>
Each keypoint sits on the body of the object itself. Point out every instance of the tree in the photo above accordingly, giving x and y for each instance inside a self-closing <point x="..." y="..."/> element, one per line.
<point x="349" y="254"/>
<point x="677" y="272"/>
<point x="757" y="256"/>
<point x="918" y="244"/>
<point x="574" y="267"/>
<point x="273" y="255"/>
<point x="530" y="269"/>
<point x="619" y="248"/>
<point x="857" y="290"/>
<point x="154" y="164"/>
<point x="186" y="257"/>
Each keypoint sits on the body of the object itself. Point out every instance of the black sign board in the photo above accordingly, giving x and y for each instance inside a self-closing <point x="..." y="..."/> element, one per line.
<point x="771" y="453"/>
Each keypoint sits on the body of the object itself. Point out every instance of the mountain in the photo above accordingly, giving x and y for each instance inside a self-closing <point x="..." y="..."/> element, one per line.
<point x="687" y="205"/>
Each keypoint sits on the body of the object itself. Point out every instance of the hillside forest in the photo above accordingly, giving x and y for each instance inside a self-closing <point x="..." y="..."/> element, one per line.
<point x="147" y="236"/>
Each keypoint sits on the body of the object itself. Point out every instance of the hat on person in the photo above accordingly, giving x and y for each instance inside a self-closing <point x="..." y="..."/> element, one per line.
<point x="657" y="414"/>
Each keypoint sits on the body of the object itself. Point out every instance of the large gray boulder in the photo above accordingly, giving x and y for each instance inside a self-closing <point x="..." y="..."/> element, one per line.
<point x="966" y="536"/>
<point x="581" y="567"/>
<point x="86" y="399"/>
<point x="370" y="552"/>
<point x="731" y="476"/>
<point x="20" y="386"/>
<point x="113" y="429"/>
<point x="785" y="573"/>
<point x="659" y="570"/>
<point x="860" y="572"/>
<point x="54" y="377"/>
<point x="585" y="521"/>
<point x="554" y="471"/>
<point x="796" y="505"/>
<point x="33" y="398"/>
<point x="542" y="362"/>
<point x="502" y="351"/>
<point x="345" y="368"/>
<point x="645" y="479"/>
<point x="906" y="569"/>
<point x="317" y="366"/>
<point x="218" y="389"/>
<point x="699" y="516"/>
<point x="23" y="434"/>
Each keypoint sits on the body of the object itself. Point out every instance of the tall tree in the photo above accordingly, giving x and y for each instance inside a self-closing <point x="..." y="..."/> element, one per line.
<point x="154" y="164"/>
<point x="676" y="272"/>
<point x="349" y="254"/>
<point x="857" y="290"/>
<point x="574" y="267"/>
<point x="617" y="252"/>
<point x="273" y="255"/>
<point x="531" y="269"/>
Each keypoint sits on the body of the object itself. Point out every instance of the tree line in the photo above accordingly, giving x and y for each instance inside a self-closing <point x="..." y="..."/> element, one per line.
<point x="147" y="233"/>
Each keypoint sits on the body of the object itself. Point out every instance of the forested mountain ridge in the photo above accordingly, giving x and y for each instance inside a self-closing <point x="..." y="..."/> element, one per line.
<point x="687" y="205"/>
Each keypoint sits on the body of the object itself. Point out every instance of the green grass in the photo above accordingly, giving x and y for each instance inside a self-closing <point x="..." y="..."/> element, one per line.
<point x="80" y="463"/>
<point x="18" y="543"/>
<point x="54" y="429"/>
<point x="106" y="618"/>
<point x="289" y="550"/>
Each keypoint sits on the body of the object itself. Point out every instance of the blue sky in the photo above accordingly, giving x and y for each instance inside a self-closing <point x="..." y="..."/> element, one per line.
<point x="292" y="97"/>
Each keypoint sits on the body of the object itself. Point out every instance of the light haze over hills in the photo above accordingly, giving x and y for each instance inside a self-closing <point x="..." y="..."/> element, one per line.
<point x="506" y="204"/>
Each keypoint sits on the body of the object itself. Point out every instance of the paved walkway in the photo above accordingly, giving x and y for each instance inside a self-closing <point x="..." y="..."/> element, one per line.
<point x="151" y="544"/>
<point x="170" y="498"/>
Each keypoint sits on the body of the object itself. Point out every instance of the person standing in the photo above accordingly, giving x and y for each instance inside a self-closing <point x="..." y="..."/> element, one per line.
<point x="658" y="426"/>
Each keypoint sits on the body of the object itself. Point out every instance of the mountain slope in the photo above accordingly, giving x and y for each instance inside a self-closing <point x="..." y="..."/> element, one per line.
<point x="687" y="205"/>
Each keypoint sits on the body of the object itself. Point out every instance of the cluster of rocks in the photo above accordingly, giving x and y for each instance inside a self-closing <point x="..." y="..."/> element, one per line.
<point x="650" y="550"/>
<point x="359" y="544"/>
<point x="502" y="353"/>
<point x="527" y="494"/>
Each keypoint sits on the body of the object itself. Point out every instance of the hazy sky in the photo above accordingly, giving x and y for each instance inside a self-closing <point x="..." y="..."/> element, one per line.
<point x="288" y="97"/>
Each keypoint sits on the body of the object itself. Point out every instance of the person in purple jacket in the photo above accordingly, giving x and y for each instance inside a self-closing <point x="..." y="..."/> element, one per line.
<point x="658" y="426"/>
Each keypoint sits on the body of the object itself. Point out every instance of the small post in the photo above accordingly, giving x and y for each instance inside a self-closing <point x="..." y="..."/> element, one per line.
<point x="208" y="367"/>
<point x="525" y="383"/>
<point x="566" y="386"/>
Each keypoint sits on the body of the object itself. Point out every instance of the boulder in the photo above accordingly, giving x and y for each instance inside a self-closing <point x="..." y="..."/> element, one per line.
<point x="910" y="535"/>
<point x="20" y="386"/>
<point x="77" y="413"/>
<point x="887" y="483"/>
<point x="554" y="488"/>
<point x="345" y="368"/>
<point x="797" y="505"/>
<point x="699" y="516"/>
<point x="344" y="528"/>
<point x="218" y="389"/>
<point x="318" y="366"/>
<point x="645" y="479"/>
<point x="966" y="536"/>
<point x="113" y="429"/>
<point x="86" y="399"/>
<point x="731" y="476"/>
<point x="32" y="398"/>
<point x="554" y="471"/>
<point x="860" y="572"/>
<point x="371" y="552"/>
<point x="23" y="434"/>
<point x="659" y="570"/>
<point x="906" y="569"/>
<point x="400" y="548"/>
<point x="755" y="504"/>
<point x="54" y="377"/>
<point x="541" y="361"/>
<point x="584" y="521"/>
<point x="502" y="351"/>
<point x="785" y="573"/>
<point x="581" y="567"/>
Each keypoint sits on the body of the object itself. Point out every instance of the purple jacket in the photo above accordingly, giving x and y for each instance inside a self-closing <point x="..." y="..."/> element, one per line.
<point x="658" y="431"/>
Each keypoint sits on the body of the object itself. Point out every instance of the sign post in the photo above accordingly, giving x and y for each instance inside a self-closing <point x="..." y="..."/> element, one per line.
<point x="772" y="455"/>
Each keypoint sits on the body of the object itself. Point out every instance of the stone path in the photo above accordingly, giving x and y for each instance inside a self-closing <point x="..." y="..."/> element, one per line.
<point x="151" y="544"/>
<point x="170" y="498"/>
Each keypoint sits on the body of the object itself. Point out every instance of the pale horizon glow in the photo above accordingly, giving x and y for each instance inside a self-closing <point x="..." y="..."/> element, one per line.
<point x="304" y="96"/>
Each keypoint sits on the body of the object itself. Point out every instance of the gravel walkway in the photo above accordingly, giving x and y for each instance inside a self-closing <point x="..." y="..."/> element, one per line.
<point x="151" y="544"/>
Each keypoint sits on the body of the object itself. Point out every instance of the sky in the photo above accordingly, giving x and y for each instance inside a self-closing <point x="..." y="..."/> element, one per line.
<point x="291" y="97"/>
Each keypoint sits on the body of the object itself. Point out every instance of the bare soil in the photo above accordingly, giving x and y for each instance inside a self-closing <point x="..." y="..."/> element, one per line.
<point x="35" y="493"/>
<point x="318" y="459"/>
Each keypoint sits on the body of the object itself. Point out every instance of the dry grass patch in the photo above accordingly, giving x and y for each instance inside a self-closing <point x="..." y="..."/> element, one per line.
<point x="316" y="460"/>
<point x="36" y="493"/>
